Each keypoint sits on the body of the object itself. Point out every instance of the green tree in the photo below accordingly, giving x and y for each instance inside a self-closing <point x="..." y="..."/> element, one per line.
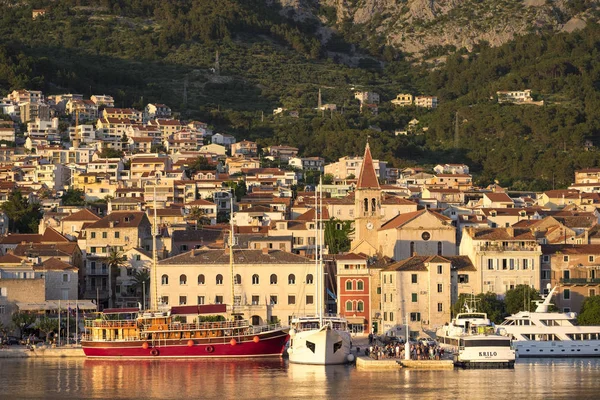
<point x="521" y="298"/>
<point x="239" y="188"/>
<point x="110" y="153"/>
<point x="141" y="279"/>
<point x="198" y="215"/>
<point x="328" y="179"/>
<point x="484" y="302"/>
<point x="200" y="164"/>
<point x="115" y="260"/>
<point x="47" y="325"/>
<point x="590" y="311"/>
<point x="337" y="235"/>
<point x="21" y="320"/>
<point x="23" y="216"/>
<point x="73" y="197"/>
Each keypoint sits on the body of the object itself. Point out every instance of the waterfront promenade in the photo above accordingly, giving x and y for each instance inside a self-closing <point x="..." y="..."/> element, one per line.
<point x="41" y="352"/>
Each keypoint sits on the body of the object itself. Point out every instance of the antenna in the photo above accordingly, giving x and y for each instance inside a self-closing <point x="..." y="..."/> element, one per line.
<point x="217" y="66"/>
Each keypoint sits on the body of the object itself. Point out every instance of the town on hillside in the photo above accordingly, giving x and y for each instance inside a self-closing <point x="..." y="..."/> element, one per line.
<point x="106" y="207"/>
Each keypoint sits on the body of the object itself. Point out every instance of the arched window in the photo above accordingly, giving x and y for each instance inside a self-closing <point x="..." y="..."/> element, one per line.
<point x="273" y="279"/>
<point x="255" y="279"/>
<point x="238" y="279"/>
<point x="291" y="279"/>
<point x="366" y="206"/>
<point x="348" y="306"/>
<point x="439" y="248"/>
<point x="219" y="279"/>
<point x="201" y="280"/>
<point x="348" y="285"/>
<point x="360" y="285"/>
<point x="183" y="279"/>
<point x="412" y="249"/>
<point x="165" y="279"/>
<point x="360" y="306"/>
<point x="309" y="279"/>
<point x="373" y="205"/>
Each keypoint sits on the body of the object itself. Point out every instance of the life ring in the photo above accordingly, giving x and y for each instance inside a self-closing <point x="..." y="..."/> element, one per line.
<point x="209" y="349"/>
<point x="154" y="352"/>
<point x="160" y="327"/>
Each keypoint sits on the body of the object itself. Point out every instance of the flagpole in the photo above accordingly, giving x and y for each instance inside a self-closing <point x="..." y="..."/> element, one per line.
<point x="58" y="322"/>
<point x="76" y="321"/>
<point x="68" y="312"/>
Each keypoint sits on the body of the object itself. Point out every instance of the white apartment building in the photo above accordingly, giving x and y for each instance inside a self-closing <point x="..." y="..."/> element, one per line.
<point x="270" y="285"/>
<point x="503" y="257"/>
<point x="350" y="166"/>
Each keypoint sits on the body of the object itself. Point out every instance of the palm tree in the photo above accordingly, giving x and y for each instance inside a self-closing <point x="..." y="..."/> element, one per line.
<point x="115" y="260"/>
<point x="141" y="280"/>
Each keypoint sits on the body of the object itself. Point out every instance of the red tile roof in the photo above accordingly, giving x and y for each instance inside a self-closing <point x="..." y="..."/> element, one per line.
<point x="367" y="179"/>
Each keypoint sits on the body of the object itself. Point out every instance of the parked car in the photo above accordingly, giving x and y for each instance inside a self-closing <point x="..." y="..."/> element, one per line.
<point x="10" y="340"/>
<point x="427" y="341"/>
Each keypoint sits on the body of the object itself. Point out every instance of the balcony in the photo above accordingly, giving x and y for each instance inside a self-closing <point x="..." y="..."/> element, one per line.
<point x="98" y="271"/>
<point x="510" y="247"/>
<point x="580" y="281"/>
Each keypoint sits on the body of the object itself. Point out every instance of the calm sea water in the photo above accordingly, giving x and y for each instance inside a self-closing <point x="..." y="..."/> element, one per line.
<point x="275" y="379"/>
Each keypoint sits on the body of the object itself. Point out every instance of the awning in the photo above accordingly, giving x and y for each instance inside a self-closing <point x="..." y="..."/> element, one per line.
<point x="356" y="320"/>
<point x="52" y="305"/>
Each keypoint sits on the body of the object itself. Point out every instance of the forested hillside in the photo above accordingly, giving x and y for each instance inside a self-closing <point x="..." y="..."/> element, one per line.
<point x="148" y="50"/>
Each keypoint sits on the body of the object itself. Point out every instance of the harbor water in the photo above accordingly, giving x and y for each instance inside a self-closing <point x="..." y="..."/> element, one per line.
<point x="273" y="379"/>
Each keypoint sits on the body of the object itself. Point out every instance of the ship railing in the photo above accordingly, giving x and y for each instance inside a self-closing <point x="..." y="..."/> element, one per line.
<point x="198" y="326"/>
<point x="265" y="328"/>
<point x="102" y="323"/>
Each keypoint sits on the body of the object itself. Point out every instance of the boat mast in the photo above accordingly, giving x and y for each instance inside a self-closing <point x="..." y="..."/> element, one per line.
<point x="154" y="249"/>
<point x="231" y="259"/>
<point x="316" y="255"/>
<point x="320" y="224"/>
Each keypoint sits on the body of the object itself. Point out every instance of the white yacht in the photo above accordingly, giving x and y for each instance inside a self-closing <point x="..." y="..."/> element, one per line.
<point x="550" y="334"/>
<point x="323" y="341"/>
<point x="319" y="339"/>
<point x="472" y="338"/>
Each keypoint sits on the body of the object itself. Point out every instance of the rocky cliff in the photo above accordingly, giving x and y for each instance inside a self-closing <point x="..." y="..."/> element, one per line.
<point x="418" y="26"/>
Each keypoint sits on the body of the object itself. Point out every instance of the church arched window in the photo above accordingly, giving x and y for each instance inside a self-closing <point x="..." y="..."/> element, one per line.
<point x="373" y="205"/>
<point x="366" y="206"/>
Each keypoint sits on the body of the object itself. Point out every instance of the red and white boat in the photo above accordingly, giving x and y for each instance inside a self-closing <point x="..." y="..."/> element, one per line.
<point x="130" y="333"/>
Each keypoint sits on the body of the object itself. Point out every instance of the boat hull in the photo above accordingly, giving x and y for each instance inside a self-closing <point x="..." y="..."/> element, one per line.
<point x="557" y="349"/>
<point x="268" y="345"/>
<point x="329" y="347"/>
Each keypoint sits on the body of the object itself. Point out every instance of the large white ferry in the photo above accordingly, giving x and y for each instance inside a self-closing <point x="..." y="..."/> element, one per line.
<point x="473" y="339"/>
<point x="550" y="334"/>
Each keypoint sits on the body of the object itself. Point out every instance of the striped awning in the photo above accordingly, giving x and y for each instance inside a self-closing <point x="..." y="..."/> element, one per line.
<point x="53" y="305"/>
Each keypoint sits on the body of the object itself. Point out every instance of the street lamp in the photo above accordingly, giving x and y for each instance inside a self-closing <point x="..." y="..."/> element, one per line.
<point x="143" y="295"/>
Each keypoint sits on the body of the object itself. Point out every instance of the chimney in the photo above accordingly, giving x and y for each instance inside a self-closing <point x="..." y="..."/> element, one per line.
<point x="265" y="250"/>
<point x="511" y="231"/>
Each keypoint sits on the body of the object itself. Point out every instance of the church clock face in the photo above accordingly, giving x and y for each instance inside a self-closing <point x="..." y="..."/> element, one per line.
<point x="369" y="225"/>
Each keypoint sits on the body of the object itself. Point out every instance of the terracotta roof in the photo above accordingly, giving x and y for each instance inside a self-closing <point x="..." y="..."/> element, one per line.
<point x="571" y="249"/>
<point x="20" y="238"/>
<point x="84" y="215"/>
<point x="55" y="264"/>
<point x="367" y="179"/>
<point x="310" y="215"/>
<point x="351" y="256"/>
<point x="10" y="259"/>
<point x="461" y="263"/>
<point x="46" y="249"/>
<point x="121" y="219"/>
<point x="221" y="257"/>
<point x="498" y="197"/>
<point x="500" y="234"/>
<point x="200" y="202"/>
<point x="415" y="263"/>
<point x="402" y="219"/>
<point x="51" y="235"/>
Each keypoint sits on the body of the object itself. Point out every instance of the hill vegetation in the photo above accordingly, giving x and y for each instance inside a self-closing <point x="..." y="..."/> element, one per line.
<point x="144" y="51"/>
